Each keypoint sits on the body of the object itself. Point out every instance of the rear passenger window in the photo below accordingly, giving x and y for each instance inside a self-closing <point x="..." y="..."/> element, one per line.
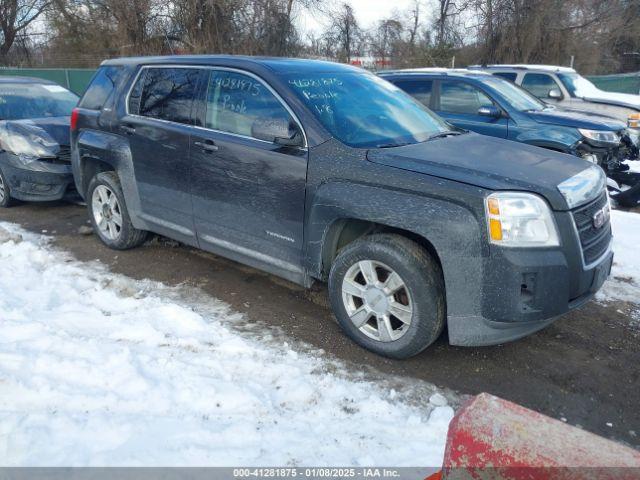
<point x="539" y="84"/>
<point x="165" y="94"/>
<point x="511" y="76"/>
<point x="101" y="87"/>
<point x="418" y="89"/>
<point x="235" y="101"/>
<point x="459" y="97"/>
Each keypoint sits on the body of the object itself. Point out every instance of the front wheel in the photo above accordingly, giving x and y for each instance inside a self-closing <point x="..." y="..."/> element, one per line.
<point x="109" y="215"/>
<point x="387" y="293"/>
<point x="6" y="200"/>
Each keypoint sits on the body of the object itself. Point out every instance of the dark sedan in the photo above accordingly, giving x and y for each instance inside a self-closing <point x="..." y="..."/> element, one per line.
<point x="34" y="140"/>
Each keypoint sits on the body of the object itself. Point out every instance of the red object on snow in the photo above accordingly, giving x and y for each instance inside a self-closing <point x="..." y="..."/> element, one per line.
<point x="491" y="438"/>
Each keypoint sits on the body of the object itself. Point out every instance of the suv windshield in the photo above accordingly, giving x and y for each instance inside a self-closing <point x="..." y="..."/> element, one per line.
<point x="517" y="97"/>
<point x="20" y="101"/>
<point x="364" y="111"/>
<point x="577" y="85"/>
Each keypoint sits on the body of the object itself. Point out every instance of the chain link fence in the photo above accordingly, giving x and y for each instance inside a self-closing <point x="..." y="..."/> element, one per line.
<point x="623" y="83"/>
<point x="75" y="79"/>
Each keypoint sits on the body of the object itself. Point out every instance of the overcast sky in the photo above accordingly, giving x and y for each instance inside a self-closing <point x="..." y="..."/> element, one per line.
<point x="367" y="12"/>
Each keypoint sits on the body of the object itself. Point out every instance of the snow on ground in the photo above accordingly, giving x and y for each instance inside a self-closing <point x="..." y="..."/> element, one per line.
<point x="624" y="283"/>
<point x="98" y="369"/>
<point x="634" y="166"/>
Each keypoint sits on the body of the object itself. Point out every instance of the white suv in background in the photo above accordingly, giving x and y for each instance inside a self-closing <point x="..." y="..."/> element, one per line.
<point x="565" y="87"/>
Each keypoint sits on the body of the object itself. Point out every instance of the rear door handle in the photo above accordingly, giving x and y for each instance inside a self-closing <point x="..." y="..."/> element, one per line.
<point x="128" y="129"/>
<point x="207" y="145"/>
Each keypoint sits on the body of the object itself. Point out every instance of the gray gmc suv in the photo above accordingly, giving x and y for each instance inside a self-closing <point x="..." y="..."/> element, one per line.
<point x="319" y="171"/>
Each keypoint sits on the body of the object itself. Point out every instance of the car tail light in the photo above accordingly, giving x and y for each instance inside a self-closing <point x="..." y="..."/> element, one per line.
<point x="74" y="119"/>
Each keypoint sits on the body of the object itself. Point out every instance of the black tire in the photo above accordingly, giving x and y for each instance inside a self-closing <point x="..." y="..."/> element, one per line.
<point x="422" y="277"/>
<point x="128" y="236"/>
<point x="6" y="200"/>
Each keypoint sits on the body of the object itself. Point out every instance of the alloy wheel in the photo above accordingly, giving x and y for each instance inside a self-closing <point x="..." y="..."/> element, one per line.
<point x="106" y="212"/>
<point x="377" y="300"/>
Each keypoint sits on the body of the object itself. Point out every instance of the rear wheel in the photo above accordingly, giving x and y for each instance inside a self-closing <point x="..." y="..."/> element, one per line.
<point x="5" y="193"/>
<point x="109" y="215"/>
<point x="388" y="295"/>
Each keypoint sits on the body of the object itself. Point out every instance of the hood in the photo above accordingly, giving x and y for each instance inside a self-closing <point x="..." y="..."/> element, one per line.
<point x="612" y="98"/>
<point x="487" y="162"/>
<point x="58" y="128"/>
<point x="573" y="118"/>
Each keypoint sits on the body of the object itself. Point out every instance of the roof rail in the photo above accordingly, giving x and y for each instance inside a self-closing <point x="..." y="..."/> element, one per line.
<point x="441" y="71"/>
<point x="520" y="66"/>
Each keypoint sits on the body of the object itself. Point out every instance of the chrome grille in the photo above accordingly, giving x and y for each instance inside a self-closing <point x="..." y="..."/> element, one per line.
<point x="594" y="241"/>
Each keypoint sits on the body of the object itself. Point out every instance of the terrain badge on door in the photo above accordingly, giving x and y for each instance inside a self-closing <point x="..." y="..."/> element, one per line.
<point x="279" y="236"/>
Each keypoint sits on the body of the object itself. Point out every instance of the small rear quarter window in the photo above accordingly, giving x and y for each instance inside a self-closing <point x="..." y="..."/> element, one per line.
<point x="511" y="76"/>
<point x="101" y="87"/>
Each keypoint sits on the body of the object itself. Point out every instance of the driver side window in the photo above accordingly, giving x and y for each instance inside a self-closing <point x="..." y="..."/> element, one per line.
<point x="460" y="97"/>
<point x="235" y="102"/>
<point x="539" y="84"/>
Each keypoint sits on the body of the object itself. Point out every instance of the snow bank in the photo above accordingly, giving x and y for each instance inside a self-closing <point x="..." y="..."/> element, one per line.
<point x="97" y="369"/>
<point x="624" y="283"/>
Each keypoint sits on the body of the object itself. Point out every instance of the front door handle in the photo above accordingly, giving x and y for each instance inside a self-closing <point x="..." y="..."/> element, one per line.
<point x="207" y="145"/>
<point x="128" y="129"/>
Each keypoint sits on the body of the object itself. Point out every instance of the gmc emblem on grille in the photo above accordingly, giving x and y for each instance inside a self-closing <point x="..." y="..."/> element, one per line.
<point x="600" y="217"/>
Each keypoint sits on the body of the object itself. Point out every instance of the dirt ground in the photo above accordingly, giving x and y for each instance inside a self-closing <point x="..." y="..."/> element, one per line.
<point x="583" y="369"/>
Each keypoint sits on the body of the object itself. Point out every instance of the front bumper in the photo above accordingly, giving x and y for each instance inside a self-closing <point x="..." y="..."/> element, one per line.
<point x="36" y="180"/>
<point x="524" y="290"/>
<point x="520" y="311"/>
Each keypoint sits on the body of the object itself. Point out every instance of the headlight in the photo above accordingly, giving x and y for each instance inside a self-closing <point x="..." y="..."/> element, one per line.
<point x="24" y="146"/>
<point x="520" y="220"/>
<point x="27" y="141"/>
<point x="583" y="186"/>
<point x="600" y="136"/>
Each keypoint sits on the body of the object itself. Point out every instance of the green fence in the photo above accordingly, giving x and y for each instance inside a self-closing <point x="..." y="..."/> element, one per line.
<point x="75" y="79"/>
<point x="623" y="83"/>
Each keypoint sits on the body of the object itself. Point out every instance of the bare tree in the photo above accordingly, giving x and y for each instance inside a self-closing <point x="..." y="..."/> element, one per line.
<point x="82" y="32"/>
<point x="387" y="39"/>
<point x="447" y="12"/>
<point x="344" y="33"/>
<point x="15" y="17"/>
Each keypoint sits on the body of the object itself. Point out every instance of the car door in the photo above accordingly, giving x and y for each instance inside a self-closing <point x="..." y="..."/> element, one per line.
<point x="543" y="86"/>
<point x="158" y="126"/>
<point x="248" y="193"/>
<point x="459" y="102"/>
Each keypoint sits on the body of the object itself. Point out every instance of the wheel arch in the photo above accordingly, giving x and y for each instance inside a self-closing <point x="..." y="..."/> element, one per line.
<point x="97" y="151"/>
<point x="451" y="228"/>
<point x="90" y="167"/>
<point x="344" y="231"/>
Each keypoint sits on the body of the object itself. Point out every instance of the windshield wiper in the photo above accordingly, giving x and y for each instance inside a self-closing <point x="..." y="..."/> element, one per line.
<point x="445" y="134"/>
<point x="392" y="145"/>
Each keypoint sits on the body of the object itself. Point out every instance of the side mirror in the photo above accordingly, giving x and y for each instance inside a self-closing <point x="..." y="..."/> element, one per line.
<point x="555" y="94"/>
<point x="281" y="131"/>
<point x="490" y="111"/>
